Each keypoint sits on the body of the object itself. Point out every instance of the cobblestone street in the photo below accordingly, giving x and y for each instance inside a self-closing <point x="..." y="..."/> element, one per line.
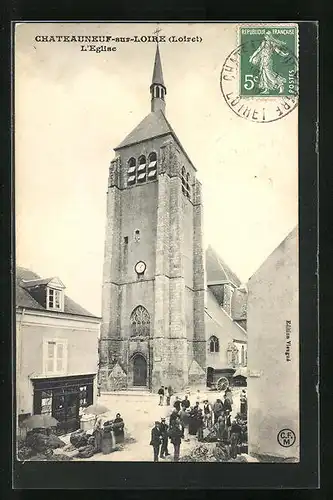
<point x="139" y="411"/>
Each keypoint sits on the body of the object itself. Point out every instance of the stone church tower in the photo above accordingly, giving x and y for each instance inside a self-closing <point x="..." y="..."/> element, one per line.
<point x="153" y="329"/>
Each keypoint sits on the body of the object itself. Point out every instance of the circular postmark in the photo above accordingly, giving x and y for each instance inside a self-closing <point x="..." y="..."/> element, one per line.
<point x="254" y="89"/>
<point x="286" y="438"/>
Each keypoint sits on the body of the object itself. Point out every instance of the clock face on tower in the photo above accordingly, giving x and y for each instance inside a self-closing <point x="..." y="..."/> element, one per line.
<point x="140" y="267"/>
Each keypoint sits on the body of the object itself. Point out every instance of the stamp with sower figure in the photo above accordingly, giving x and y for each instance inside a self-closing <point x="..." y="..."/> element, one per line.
<point x="259" y="79"/>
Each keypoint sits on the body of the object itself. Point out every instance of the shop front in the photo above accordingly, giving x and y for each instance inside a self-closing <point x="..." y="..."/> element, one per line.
<point x="64" y="398"/>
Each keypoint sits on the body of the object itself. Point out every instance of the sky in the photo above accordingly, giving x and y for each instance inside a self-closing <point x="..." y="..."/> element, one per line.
<point x="73" y="107"/>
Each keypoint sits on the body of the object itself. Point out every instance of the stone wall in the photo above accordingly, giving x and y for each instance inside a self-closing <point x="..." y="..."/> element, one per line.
<point x="172" y="289"/>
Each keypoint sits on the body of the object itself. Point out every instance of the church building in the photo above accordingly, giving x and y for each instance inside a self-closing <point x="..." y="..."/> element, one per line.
<point x="153" y="327"/>
<point x="159" y="320"/>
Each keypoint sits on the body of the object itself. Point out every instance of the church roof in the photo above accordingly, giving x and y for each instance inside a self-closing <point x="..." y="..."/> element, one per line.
<point x="217" y="270"/>
<point x="153" y="125"/>
<point x="25" y="300"/>
<point x="157" y="72"/>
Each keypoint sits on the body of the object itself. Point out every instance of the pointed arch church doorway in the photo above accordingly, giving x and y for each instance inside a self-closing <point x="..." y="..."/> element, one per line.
<point x="139" y="371"/>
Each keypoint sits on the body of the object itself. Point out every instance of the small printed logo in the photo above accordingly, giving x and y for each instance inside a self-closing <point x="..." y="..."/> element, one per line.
<point x="286" y="438"/>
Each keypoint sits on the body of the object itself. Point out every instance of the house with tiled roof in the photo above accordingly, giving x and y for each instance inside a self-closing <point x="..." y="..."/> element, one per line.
<point x="225" y="318"/>
<point x="57" y="351"/>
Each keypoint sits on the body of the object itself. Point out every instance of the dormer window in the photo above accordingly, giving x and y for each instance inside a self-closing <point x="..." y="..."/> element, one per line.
<point x="54" y="299"/>
<point x="48" y="292"/>
<point x="55" y="296"/>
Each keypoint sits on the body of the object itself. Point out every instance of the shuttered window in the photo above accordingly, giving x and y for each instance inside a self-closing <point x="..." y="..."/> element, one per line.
<point x="55" y="357"/>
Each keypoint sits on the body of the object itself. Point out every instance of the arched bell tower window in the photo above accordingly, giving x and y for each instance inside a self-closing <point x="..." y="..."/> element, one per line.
<point x="152" y="166"/>
<point x="142" y="170"/>
<point x="140" y="322"/>
<point x="131" y="172"/>
<point x="185" y="183"/>
<point x="214" y="344"/>
<point x="188" y="185"/>
<point x="183" y="180"/>
<point x="157" y="92"/>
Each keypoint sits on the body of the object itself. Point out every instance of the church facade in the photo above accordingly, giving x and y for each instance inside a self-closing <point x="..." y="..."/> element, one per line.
<point x="153" y="299"/>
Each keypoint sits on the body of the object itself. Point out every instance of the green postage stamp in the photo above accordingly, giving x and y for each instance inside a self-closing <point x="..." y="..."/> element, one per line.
<point x="268" y="62"/>
<point x="259" y="78"/>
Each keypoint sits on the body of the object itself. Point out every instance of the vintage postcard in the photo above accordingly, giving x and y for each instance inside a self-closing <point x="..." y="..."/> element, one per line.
<point x="157" y="297"/>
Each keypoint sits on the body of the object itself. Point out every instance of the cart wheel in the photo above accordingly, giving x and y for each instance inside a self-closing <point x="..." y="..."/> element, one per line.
<point x="222" y="383"/>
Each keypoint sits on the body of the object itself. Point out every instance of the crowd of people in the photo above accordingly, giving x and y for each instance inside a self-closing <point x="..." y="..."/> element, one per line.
<point x="186" y="419"/>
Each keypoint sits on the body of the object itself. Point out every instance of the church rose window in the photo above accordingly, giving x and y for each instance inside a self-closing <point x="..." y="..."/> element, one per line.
<point x="140" y="322"/>
<point x="214" y="344"/>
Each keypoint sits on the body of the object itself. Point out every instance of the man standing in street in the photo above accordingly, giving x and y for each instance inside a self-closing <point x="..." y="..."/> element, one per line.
<point x="207" y="414"/>
<point x="155" y="441"/>
<point x="235" y="433"/>
<point x="228" y="395"/>
<point x="227" y="405"/>
<point x="168" y="395"/>
<point x="217" y="410"/>
<point x="176" y="404"/>
<point x="176" y="438"/>
<point x="200" y="425"/>
<point x="173" y="416"/>
<point x="164" y="433"/>
<point x="185" y="403"/>
<point x="183" y="418"/>
<point x="161" y="395"/>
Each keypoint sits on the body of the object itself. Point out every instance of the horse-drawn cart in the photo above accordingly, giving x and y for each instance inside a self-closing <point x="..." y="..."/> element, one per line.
<point x="219" y="380"/>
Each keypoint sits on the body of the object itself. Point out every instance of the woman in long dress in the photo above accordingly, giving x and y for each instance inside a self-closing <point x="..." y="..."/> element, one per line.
<point x="118" y="429"/>
<point x="98" y="434"/>
<point x="263" y="58"/>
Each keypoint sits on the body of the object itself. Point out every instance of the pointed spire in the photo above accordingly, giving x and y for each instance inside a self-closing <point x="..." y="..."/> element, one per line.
<point x="158" y="73"/>
<point x="157" y="87"/>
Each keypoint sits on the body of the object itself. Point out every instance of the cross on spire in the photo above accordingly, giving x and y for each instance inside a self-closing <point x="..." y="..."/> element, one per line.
<point x="157" y="31"/>
<point x="157" y="73"/>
